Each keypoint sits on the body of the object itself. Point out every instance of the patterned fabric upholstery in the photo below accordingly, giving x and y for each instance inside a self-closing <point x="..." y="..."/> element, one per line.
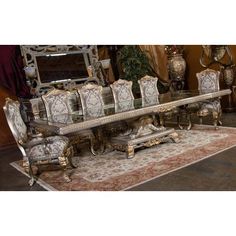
<point x="91" y="100"/>
<point x="58" y="106"/>
<point x="52" y="149"/>
<point x="15" y="121"/>
<point x="123" y="96"/>
<point x="208" y="81"/>
<point x="149" y="91"/>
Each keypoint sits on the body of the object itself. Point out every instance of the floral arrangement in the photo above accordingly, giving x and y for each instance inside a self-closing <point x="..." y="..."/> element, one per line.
<point x="174" y="49"/>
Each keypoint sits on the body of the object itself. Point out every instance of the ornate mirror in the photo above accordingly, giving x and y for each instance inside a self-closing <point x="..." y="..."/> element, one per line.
<point x="61" y="65"/>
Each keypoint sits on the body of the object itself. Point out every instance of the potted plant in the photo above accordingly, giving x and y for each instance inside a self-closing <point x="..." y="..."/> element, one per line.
<point x="133" y="64"/>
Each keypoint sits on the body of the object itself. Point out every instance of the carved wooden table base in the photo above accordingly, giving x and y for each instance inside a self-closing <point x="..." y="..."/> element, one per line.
<point x="128" y="144"/>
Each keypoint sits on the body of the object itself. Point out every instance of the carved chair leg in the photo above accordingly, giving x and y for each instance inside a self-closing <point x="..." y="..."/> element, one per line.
<point x="189" y="121"/>
<point x="179" y="122"/>
<point x="32" y="177"/>
<point x="63" y="161"/>
<point x="215" y="116"/>
<point x="219" y="118"/>
<point x="130" y="151"/>
<point x="70" y="155"/>
<point x="155" y="122"/>
<point x="200" y="120"/>
<point x="28" y="169"/>
<point x="162" y="121"/>
<point x="98" y="138"/>
<point x="66" y="177"/>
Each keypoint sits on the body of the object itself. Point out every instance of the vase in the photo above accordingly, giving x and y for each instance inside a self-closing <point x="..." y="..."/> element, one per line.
<point x="228" y="76"/>
<point x="176" y="68"/>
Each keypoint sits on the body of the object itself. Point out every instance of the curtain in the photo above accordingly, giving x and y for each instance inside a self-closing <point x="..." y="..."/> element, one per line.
<point x="157" y="59"/>
<point x="12" y="75"/>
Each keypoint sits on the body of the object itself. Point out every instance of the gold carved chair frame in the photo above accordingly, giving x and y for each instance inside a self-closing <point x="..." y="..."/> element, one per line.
<point x="37" y="150"/>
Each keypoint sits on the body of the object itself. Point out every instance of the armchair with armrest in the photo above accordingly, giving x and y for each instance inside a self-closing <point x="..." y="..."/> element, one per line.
<point x="37" y="150"/>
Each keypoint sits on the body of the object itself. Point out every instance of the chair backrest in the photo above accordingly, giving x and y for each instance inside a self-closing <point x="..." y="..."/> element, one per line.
<point x="123" y="95"/>
<point x="15" y="121"/>
<point x="92" y="101"/>
<point x="149" y="90"/>
<point x="208" y="81"/>
<point x="58" y="106"/>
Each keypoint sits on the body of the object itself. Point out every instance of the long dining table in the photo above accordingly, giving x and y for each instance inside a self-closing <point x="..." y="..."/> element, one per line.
<point x="74" y="122"/>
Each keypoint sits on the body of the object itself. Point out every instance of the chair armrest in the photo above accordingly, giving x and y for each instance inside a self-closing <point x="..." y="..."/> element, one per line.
<point x="31" y="136"/>
<point x="34" y="142"/>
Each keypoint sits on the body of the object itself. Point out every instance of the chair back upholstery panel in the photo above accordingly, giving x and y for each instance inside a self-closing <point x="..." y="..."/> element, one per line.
<point x="57" y="102"/>
<point x="92" y="101"/>
<point x="58" y="105"/>
<point x="208" y="80"/>
<point x="123" y="95"/>
<point x="15" y="121"/>
<point x="149" y="90"/>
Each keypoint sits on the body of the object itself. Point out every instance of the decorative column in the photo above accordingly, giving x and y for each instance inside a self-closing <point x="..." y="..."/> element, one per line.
<point x="176" y="66"/>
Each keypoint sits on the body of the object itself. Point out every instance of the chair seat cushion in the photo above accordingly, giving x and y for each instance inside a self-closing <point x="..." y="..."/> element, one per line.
<point x="211" y="105"/>
<point x="50" y="148"/>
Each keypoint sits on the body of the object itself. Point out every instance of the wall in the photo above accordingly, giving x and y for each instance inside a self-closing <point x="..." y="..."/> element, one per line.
<point x="192" y="55"/>
<point x="6" y="137"/>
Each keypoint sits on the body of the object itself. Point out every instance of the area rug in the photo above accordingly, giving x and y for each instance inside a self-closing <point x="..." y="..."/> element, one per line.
<point x="112" y="171"/>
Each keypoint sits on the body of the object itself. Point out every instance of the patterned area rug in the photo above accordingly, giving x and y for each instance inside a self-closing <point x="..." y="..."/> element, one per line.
<point x="113" y="171"/>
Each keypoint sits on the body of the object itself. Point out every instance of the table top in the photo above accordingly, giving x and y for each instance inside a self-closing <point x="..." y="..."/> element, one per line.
<point x="69" y="123"/>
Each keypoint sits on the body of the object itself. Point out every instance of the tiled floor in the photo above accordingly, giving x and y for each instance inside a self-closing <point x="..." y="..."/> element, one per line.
<point x="215" y="173"/>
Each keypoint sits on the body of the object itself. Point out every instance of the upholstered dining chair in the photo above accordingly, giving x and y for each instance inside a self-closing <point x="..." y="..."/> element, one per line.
<point x="150" y="96"/>
<point x="208" y="81"/>
<point x="92" y="101"/>
<point x="93" y="107"/>
<point x="123" y="95"/>
<point x="37" y="150"/>
<point x="149" y="90"/>
<point x="59" y="108"/>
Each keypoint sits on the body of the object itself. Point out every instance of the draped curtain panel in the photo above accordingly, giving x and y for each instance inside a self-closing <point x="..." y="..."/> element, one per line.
<point x="12" y="75"/>
<point x="158" y="59"/>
